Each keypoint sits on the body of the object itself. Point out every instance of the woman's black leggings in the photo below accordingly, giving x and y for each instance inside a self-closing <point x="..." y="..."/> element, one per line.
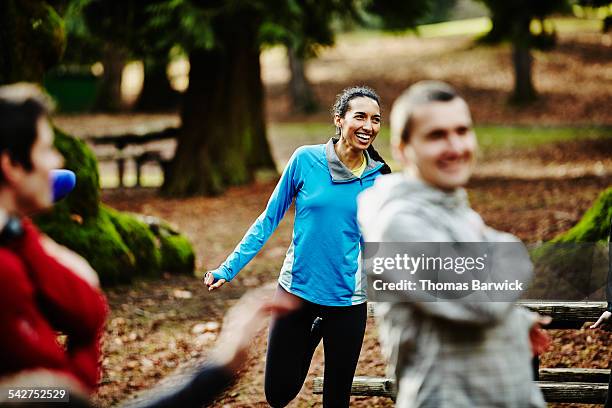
<point x="292" y="341"/>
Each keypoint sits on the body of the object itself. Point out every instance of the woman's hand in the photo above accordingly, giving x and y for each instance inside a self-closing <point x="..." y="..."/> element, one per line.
<point x="209" y="280"/>
<point x="603" y="319"/>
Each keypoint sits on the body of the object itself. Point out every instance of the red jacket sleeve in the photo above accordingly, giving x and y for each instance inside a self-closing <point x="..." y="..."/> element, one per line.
<point x="72" y="305"/>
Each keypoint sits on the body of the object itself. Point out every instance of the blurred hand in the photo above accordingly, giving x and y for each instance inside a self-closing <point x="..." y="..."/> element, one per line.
<point x="603" y="319"/>
<point x="539" y="339"/>
<point x="71" y="260"/>
<point x="209" y="280"/>
<point x="244" y="320"/>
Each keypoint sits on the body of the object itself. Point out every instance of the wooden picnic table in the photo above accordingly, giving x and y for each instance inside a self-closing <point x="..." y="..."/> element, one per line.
<point x="121" y="142"/>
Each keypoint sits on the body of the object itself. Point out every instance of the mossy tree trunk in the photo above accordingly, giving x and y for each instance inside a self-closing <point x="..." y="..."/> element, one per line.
<point x="223" y="137"/>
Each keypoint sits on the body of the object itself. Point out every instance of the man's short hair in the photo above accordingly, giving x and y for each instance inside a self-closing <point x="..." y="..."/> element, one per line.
<point x="418" y="94"/>
<point x="21" y="106"/>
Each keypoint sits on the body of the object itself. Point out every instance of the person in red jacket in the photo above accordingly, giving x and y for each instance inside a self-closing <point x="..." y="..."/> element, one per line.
<point x="45" y="289"/>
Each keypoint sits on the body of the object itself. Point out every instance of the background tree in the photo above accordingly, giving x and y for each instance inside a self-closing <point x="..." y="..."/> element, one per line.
<point x="223" y="136"/>
<point x="157" y="93"/>
<point x="401" y="15"/>
<point x="303" y="33"/>
<point x="32" y="39"/>
<point x="92" y="37"/>
<point x="512" y="21"/>
<point x="114" y="28"/>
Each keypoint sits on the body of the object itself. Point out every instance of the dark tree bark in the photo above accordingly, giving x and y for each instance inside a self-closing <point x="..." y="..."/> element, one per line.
<point x="500" y="26"/>
<point x="109" y="97"/>
<point x="8" y="17"/>
<point x="522" y="61"/>
<point x="302" y="97"/>
<point x="157" y="94"/>
<point x="25" y="54"/>
<point x="223" y="136"/>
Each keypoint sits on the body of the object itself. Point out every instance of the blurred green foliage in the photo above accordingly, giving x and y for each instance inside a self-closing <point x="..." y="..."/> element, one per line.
<point x="594" y="224"/>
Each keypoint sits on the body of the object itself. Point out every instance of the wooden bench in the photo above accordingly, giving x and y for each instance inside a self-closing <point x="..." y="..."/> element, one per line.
<point x="572" y="385"/>
<point x="554" y="391"/>
<point x="144" y="155"/>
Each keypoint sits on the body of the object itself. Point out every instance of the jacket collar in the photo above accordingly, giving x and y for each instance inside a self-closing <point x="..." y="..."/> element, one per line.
<point x="339" y="172"/>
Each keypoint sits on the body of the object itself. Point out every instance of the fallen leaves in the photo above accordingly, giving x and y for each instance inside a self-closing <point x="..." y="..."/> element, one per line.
<point x="182" y="294"/>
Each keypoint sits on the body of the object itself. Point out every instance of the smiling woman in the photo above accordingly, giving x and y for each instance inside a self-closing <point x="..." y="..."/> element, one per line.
<point x="357" y="117"/>
<point x="321" y="269"/>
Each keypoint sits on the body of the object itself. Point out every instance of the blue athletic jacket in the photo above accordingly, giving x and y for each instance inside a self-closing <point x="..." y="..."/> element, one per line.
<point x="323" y="262"/>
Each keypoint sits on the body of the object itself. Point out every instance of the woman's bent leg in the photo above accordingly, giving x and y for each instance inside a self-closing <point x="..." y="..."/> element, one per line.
<point x="343" y="329"/>
<point x="291" y="344"/>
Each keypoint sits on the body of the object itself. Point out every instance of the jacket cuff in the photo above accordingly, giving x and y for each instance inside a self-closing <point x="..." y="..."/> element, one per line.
<point x="222" y="273"/>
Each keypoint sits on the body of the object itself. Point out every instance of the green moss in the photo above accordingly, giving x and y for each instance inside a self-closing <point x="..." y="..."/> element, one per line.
<point x="94" y="238"/>
<point x="78" y="223"/>
<point x="594" y="225"/>
<point x="85" y="198"/>
<point x="574" y="264"/>
<point x="143" y="244"/>
<point x="177" y="255"/>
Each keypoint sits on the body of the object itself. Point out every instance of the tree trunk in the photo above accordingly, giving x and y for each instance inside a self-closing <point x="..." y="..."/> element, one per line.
<point x="8" y="17"/>
<point x="223" y="136"/>
<point x="109" y="97"/>
<point x="499" y="28"/>
<point x="25" y="53"/>
<point x="522" y="61"/>
<point x="302" y="97"/>
<point x="157" y="94"/>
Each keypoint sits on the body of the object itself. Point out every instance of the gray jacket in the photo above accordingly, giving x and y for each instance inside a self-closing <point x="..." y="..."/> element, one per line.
<point x="447" y="354"/>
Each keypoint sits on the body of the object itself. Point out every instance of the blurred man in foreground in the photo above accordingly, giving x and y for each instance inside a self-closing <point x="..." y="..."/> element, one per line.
<point x="44" y="288"/>
<point x="447" y="353"/>
<point x="241" y="325"/>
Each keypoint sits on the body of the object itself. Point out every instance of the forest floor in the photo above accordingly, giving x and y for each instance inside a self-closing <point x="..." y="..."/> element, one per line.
<point x="534" y="192"/>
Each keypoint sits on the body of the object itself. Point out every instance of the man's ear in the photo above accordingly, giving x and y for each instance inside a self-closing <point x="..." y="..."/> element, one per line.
<point x="11" y="171"/>
<point x="399" y="153"/>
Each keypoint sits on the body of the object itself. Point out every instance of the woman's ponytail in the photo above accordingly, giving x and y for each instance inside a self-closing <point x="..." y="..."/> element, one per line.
<point x="376" y="156"/>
